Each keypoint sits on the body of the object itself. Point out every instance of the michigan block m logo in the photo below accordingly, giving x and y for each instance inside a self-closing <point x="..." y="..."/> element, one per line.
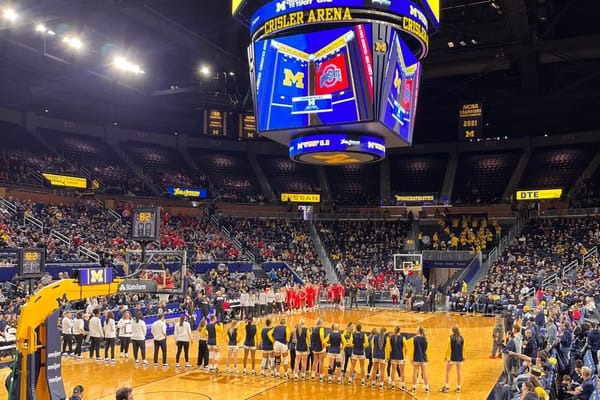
<point x="291" y="79"/>
<point x="96" y="276"/>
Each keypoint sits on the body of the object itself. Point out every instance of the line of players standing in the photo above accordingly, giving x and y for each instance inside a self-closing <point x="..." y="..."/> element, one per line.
<point x="299" y="352"/>
<point x="294" y="298"/>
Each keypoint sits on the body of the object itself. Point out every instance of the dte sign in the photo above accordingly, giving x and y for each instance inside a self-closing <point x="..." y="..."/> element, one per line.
<point x="95" y="276"/>
<point x="542" y="194"/>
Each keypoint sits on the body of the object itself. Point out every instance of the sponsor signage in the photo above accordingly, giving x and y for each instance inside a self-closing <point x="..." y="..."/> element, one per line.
<point x="95" y="276"/>
<point x="138" y="286"/>
<point x="277" y="16"/>
<point x="51" y="358"/>
<point x="332" y="149"/>
<point x="65" y="180"/>
<point x="187" y="192"/>
<point x="301" y="197"/>
<point x="415" y="198"/>
<point x="470" y="120"/>
<point x="541" y="194"/>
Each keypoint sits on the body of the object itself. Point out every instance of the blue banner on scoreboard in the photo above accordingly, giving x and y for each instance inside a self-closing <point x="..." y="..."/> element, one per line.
<point x="337" y="143"/>
<point x="311" y="104"/>
<point x="314" y="79"/>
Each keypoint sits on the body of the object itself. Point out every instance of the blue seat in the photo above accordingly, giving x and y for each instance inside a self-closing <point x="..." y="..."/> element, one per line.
<point x="596" y="394"/>
<point x="588" y="361"/>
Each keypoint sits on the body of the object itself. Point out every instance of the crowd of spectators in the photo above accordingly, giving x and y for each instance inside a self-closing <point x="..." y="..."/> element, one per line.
<point x="475" y="233"/>
<point x="272" y="240"/>
<point x="588" y="195"/>
<point x="362" y="251"/>
<point x="543" y="249"/>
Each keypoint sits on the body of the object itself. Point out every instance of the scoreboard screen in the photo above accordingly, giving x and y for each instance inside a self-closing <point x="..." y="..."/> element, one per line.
<point x="314" y="79"/>
<point x="401" y="89"/>
<point x="31" y="262"/>
<point x="215" y="123"/>
<point x="248" y="126"/>
<point x="145" y="224"/>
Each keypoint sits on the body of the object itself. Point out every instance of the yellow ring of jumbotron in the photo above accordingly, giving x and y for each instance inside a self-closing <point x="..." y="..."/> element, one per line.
<point x="363" y="16"/>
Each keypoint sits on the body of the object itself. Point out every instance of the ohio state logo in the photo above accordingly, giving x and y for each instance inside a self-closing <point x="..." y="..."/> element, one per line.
<point x="406" y="95"/>
<point x="331" y="76"/>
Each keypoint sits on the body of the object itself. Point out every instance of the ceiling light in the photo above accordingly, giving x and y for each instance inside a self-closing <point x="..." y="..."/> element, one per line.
<point x="494" y="5"/>
<point x="462" y="43"/>
<point x="10" y="14"/>
<point x="451" y="44"/>
<point x="73" y="42"/>
<point x="125" y="65"/>
<point x="474" y="41"/>
<point x="205" y="70"/>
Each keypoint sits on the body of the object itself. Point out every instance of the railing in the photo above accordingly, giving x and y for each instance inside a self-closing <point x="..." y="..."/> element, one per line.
<point x="570" y="212"/>
<point x="33" y="221"/>
<point x="8" y="205"/>
<point x="114" y="214"/>
<point x="61" y="237"/>
<point x="85" y="172"/>
<point x="214" y="222"/>
<point x="88" y="253"/>
<point x="226" y="233"/>
<point x="569" y="267"/>
<point x="466" y="271"/>
<point x="593" y="252"/>
<point x="493" y="256"/>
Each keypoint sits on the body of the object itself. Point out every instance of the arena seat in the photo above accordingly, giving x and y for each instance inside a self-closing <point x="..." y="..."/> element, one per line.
<point x="231" y="173"/>
<point x="354" y="184"/>
<point x="482" y="177"/>
<point x="422" y="173"/>
<point x="286" y="176"/>
<point x="556" y="167"/>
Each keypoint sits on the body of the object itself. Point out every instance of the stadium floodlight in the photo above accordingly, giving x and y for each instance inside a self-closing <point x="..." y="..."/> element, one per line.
<point x="73" y="42"/>
<point x="123" y="64"/>
<point x="10" y="14"/>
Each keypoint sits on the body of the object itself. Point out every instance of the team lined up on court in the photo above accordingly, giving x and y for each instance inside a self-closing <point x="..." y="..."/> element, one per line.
<point x="326" y="354"/>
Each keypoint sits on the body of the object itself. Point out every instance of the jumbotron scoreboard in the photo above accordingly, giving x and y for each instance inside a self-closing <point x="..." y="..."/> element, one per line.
<point x="337" y="80"/>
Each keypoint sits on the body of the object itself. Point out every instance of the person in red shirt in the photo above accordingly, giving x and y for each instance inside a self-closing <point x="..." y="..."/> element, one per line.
<point x="310" y="296"/>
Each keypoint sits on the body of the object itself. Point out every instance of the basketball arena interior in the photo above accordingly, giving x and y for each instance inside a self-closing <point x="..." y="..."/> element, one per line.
<point x="257" y="199"/>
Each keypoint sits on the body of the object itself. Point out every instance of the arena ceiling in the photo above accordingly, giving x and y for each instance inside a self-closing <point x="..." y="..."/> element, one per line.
<point x="534" y="63"/>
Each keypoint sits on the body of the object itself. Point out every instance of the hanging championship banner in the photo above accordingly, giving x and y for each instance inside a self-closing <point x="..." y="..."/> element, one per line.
<point x="470" y="120"/>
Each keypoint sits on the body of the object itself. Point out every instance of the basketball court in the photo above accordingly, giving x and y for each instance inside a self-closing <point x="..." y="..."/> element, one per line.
<point x="101" y="380"/>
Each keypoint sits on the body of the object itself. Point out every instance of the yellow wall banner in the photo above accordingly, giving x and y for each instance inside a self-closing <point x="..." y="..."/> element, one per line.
<point x="301" y="197"/>
<point x="66" y="181"/>
<point x="415" y="197"/>
<point x="542" y="194"/>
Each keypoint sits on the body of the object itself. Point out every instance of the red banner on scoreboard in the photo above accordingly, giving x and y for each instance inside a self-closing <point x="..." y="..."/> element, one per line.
<point x="331" y="75"/>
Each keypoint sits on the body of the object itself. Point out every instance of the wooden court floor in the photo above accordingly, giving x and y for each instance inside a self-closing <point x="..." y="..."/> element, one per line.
<point x="100" y="380"/>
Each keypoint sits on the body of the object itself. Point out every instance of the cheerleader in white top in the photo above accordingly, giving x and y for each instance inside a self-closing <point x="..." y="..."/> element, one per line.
<point x="124" y="326"/>
<point x="110" y="335"/>
<point x="183" y="337"/>
<point x="138" y="337"/>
